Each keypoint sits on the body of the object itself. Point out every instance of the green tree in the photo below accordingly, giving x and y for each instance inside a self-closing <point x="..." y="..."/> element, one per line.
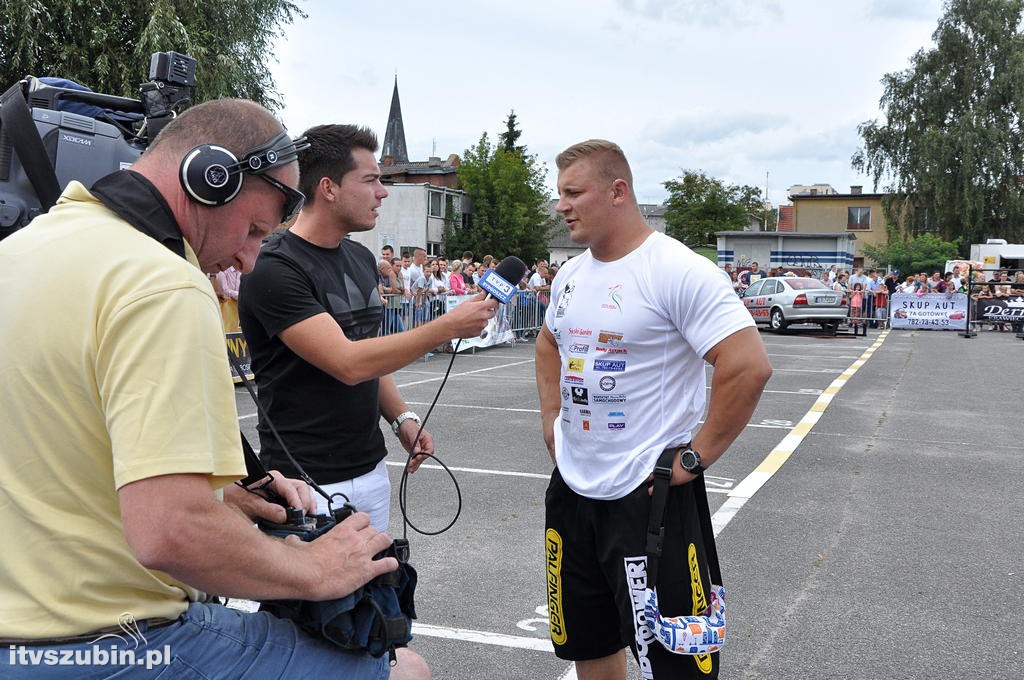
<point x="106" y="44"/>
<point x="758" y="206"/>
<point x="507" y="139"/>
<point x="951" y="144"/>
<point x="699" y="205"/>
<point x="509" y="204"/>
<point x="913" y="254"/>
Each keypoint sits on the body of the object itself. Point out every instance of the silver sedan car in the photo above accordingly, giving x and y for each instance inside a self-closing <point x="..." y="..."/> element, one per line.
<point x="780" y="301"/>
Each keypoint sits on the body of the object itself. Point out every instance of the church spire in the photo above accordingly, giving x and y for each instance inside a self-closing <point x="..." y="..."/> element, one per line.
<point x="394" y="135"/>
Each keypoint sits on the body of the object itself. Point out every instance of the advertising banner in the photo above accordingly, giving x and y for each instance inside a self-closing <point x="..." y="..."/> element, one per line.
<point x="498" y="329"/>
<point x="240" y="349"/>
<point x="937" y="311"/>
<point x="1001" y="310"/>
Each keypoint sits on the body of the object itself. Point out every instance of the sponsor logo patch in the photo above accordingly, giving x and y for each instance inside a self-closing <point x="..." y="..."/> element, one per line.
<point x="609" y="366"/>
<point x="615" y="297"/>
<point x="576" y="365"/>
<point x="607" y="383"/>
<point x="700" y="603"/>
<point x="610" y="338"/>
<point x="564" y="299"/>
<point x="608" y="398"/>
<point x="579" y="348"/>
<point x="579" y="395"/>
<point x="636" y="583"/>
<point x="556" y="621"/>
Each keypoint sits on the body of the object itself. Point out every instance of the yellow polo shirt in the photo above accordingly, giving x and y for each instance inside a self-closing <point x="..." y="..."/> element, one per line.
<point x="112" y="369"/>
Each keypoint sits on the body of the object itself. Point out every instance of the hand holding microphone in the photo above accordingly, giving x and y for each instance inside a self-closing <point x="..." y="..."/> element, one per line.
<point x="502" y="283"/>
<point x="469" y="318"/>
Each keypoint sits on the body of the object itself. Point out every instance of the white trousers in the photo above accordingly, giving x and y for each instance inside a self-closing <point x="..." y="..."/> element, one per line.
<point x="369" y="493"/>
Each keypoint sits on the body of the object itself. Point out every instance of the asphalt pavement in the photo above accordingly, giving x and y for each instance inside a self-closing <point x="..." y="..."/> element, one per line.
<point x="869" y="517"/>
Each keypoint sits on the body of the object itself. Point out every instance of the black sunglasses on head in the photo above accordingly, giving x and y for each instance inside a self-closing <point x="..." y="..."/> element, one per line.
<point x="293" y="199"/>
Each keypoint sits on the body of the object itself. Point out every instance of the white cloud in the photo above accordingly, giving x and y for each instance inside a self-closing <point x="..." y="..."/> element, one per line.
<point x="704" y="12"/>
<point x="737" y="89"/>
<point x="913" y="10"/>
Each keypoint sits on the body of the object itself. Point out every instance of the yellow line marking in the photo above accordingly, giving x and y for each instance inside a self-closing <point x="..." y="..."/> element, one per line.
<point x="785" y="448"/>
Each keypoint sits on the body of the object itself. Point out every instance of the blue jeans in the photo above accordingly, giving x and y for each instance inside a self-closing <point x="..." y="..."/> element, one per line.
<point x="393" y="321"/>
<point x="208" y="642"/>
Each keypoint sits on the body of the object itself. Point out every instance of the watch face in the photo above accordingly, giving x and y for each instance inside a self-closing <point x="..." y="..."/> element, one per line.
<point x="688" y="460"/>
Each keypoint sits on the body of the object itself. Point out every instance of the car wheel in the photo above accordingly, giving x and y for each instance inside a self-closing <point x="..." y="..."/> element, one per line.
<point x="777" y="321"/>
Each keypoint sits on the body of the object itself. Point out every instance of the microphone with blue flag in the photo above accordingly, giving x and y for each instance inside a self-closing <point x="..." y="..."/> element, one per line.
<point x="503" y="283"/>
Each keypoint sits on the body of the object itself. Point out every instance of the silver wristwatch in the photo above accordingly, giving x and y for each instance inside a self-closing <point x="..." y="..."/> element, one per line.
<point x="690" y="461"/>
<point x="402" y="417"/>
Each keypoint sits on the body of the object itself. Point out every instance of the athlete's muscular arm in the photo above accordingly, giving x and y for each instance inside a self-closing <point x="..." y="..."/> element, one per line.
<point x="548" y="368"/>
<point x="321" y="341"/>
<point x="741" y="372"/>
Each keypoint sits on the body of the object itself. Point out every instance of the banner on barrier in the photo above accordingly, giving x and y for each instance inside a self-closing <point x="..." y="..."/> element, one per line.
<point x="240" y="348"/>
<point x="939" y="311"/>
<point x="1001" y="310"/>
<point x="498" y="329"/>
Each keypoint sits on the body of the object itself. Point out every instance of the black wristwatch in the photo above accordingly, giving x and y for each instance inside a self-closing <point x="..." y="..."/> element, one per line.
<point x="689" y="460"/>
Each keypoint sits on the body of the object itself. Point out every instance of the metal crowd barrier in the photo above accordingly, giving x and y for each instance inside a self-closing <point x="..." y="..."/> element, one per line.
<point x="980" y="310"/>
<point x="524" y="313"/>
<point x="871" y="314"/>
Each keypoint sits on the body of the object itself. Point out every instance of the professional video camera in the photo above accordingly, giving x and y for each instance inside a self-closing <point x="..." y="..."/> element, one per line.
<point x="53" y="131"/>
<point x="376" y="618"/>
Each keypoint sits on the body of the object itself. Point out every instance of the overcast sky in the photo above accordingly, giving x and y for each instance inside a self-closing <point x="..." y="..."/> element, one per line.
<point x="734" y="88"/>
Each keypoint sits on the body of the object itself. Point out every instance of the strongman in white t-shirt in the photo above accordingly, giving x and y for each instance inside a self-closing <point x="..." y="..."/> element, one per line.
<point x="621" y="377"/>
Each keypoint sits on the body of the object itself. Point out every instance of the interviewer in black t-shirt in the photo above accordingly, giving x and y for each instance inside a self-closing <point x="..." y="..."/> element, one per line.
<point x="311" y="314"/>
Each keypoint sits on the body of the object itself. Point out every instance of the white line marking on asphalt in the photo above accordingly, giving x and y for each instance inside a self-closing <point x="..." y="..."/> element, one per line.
<point x="569" y="674"/>
<point x="816" y="356"/>
<point x="456" y="375"/>
<point x="483" y="637"/>
<point x="479" y="471"/>
<point x="803" y="370"/>
<point x="768" y="425"/>
<point x="753" y="482"/>
<point x="478" y="406"/>
<point x="722" y="486"/>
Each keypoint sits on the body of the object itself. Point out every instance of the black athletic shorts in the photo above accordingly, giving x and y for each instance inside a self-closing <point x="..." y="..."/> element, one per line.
<point x="597" y="572"/>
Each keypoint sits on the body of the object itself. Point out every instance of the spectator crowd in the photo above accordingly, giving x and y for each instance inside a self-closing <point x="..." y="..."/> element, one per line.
<point x="868" y="290"/>
<point x="414" y="288"/>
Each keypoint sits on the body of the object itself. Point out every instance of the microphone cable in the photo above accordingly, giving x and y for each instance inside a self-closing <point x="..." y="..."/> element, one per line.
<point x="263" y="412"/>
<point x="403" y="486"/>
<point x="511" y="269"/>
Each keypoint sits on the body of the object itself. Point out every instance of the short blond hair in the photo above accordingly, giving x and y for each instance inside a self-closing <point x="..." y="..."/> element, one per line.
<point x="607" y="157"/>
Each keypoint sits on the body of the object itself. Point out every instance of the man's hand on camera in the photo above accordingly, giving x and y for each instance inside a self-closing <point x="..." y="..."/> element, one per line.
<point x="294" y="492"/>
<point x="343" y="557"/>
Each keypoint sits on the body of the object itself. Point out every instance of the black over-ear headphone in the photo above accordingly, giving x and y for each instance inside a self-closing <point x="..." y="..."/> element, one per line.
<point x="212" y="175"/>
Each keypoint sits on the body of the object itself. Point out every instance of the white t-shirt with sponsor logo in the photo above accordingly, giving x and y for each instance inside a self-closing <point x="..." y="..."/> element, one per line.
<point x="631" y="335"/>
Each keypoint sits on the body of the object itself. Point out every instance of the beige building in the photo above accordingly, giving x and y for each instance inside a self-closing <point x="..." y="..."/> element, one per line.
<point x="853" y="213"/>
